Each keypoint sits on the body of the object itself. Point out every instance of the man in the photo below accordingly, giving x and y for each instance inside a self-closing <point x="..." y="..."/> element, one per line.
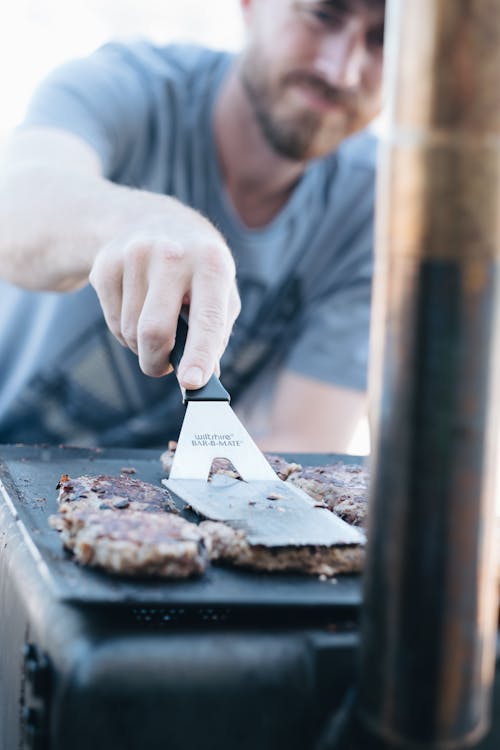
<point x="109" y="180"/>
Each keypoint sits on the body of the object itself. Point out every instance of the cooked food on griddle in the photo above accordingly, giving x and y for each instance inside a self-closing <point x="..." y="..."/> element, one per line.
<point x="127" y="526"/>
<point x="342" y="487"/>
<point x="112" y="493"/>
<point x="229" y="546"/>
<point x="134" y="543"/>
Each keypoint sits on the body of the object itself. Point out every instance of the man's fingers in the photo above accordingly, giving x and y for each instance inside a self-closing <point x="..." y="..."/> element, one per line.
<point x="158" y="319"/>
<point x="233" y="310"/>
<point x="209" y="320"/>
<point x="234" y="305"/>
<point x="206" y="333"/>
<point x="156" y="336"/>
<point x="134" y="289"/>
<point x="106" y="278"/>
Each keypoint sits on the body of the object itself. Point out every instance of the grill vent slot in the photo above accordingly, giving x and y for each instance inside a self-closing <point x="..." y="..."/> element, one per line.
<point x="165" y="617"/>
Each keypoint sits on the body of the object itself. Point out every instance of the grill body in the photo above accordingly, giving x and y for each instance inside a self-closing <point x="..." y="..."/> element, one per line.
<point x="129" y="675"/>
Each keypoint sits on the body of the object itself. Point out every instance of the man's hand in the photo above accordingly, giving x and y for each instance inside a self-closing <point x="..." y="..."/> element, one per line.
<point x="143" y="279"/>
<point x="145" y="254"/>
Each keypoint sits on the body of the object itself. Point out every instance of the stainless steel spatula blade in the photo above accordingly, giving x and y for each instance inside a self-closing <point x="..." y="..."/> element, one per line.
<point x="211" y="430"/>
<point x="272" y="513"/>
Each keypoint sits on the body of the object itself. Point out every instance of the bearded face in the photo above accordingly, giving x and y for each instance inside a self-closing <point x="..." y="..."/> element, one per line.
<point x="312" y="73"/>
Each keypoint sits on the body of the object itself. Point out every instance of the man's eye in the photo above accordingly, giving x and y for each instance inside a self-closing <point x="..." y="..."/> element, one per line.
<point x="322" y="17"/>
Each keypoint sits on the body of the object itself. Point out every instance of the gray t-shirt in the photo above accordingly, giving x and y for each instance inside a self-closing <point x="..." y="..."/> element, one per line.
<point x="304" y="279"/>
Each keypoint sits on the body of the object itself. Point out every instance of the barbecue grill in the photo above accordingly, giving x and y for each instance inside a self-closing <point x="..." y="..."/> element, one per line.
<point x="231" y="660"/>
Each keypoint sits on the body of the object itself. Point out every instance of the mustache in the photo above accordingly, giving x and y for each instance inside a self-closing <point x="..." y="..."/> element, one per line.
<point x="331" y="94"/>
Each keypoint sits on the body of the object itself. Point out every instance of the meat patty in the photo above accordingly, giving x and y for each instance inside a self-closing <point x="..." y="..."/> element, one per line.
<point x="113" y="493"/>
<point x="228" y="545"/>
<point x="342" y="487"/>
<point x="135" y="543"/>
<point x="125" y="526"/>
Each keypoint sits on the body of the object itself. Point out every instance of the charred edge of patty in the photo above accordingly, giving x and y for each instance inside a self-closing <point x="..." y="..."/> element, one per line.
<point x="229" y="546"/>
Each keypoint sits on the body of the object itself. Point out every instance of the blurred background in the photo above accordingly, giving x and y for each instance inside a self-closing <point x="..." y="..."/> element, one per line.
<point x="38" y="35"/>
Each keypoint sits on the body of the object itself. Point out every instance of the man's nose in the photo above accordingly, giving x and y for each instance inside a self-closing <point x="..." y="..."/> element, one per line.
<point x="341" y="58"/>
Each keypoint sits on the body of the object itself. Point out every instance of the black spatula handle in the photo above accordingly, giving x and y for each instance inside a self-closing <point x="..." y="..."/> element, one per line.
<point x="213" y="390"/>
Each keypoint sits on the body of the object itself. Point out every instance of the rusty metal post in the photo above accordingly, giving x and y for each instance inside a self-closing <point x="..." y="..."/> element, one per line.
<point x="430" y="617"/>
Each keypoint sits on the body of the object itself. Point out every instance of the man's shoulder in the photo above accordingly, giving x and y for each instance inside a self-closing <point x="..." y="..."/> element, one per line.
<point x="180" y="60"/>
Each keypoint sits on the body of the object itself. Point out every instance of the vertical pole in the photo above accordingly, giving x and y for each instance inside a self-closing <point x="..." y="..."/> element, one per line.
<point x="430" y="616"/>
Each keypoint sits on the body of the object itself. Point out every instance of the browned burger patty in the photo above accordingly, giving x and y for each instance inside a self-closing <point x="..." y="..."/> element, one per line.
<point x="137" y="543"/>
<point x="112" y="493"/>
<point x="340" y="486"/>
<point x="120" y="524"/>
<point x="228" y="545"/>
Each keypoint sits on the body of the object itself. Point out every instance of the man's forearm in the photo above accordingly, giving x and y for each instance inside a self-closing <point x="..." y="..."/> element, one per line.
<point x="53" y="222"/>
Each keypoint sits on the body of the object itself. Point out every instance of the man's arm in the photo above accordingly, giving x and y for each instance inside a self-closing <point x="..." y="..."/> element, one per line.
<point x="311" y="416"/>
<point x="62" y="224"/>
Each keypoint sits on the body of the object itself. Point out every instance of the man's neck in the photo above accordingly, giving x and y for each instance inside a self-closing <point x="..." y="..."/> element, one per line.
<point x="258" y="181"/>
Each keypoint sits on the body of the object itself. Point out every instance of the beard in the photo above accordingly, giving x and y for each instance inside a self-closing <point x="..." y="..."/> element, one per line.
<point x="302" y="134"/>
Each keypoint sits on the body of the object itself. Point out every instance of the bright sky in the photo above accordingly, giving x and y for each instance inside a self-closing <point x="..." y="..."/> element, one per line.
<point x="37" y="35"/>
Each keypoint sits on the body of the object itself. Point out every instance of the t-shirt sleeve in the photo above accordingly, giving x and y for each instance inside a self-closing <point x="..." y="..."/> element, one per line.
<point x="103" y="98"/>
<point x="332" y="345"/>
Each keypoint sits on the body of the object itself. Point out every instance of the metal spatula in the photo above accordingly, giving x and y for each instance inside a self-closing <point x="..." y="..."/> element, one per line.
<point x="270" y="511"/>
